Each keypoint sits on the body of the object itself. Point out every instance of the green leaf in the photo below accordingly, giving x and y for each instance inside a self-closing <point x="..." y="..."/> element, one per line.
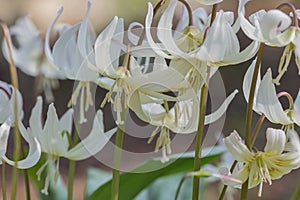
<point x="56" y="191"/>
<point x="132" y="183"/>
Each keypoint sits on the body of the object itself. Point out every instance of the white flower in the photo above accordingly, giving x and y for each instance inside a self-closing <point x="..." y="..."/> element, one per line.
<point x="260" y="167"/>
<point x="271" y="27"/>
<point x="265" y="98"/>
<point x="209" y="50"/>
<point x="34" y="152"/>
<point x="29" y="55"/>
<point x="182" y="118"/>
<point x="69" y="55"/>
<point x="55" y="136"/>
<point x="7" y="98"/>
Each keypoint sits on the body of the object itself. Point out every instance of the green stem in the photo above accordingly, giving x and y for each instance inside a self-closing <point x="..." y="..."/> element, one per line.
<point x="199" y="137"/>
<point x="222" y="195"/>
<point x="256" y="130"/>
<point x="200" y="130"/>
<point x="117" y="163"/>
<point x="181" y="183"/>
<point x="296" y="195"/>
<point x="14" y="80"/>
<point x="249" y="111"/>
<point x="72" y="164"/>
<point x="3" y="181"/>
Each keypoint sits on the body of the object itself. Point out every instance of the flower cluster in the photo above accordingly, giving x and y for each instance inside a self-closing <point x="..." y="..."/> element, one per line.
<point x="162" y="75"/>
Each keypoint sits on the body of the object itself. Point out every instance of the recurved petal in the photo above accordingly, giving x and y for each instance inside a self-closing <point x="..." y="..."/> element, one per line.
<point x="221" y="110"/>
<point x="102" y="47"/>
<point x="247" y="83"/>
<point x="94" y="142"/>
<point x="156" y="48"/>
<point x="276" y="141"/>
<point x="237" y="148"/>
<point x="164" y="30"/>
<point x="268" y="103"/>
<point x="241" y="175"/>
<point x="34" y="152"/>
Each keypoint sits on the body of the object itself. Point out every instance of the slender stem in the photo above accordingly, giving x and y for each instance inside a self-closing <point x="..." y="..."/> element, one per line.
<point x="223" y="192"/>
<point x="256" y="130"/>
<point x="14" y="80"/>
<point x="26" y="178"/>
<point x="249" y="110"/>
<point x="117" y="163"/>
<point x="296" y="195"/>
<point x="190" y="11"/>
<point x="181" y="183"/>
<point x="292" y="7"/>
<point x="72" y="164"/>
<point x="3" y="181"/>
<point x="213" y="13"/>
<point x="199" y="136"/>
<point x="200" y="130"/>
<point x="251" y="94"/>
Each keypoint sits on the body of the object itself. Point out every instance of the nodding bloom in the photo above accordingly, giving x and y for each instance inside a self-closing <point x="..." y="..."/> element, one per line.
<point x="182" y="118"/>
<point x="69" y="55"/>
<point x="7" y="98"/>
<point x="262" y="166"/>
<point x="55" y="137"/>
<point x="266" y="100"/>
<point x="29" y="55"/>
<point x="271" y="27"/>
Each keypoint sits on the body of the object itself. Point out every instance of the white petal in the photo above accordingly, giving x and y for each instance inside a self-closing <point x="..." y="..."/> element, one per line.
<point x="133" y="38"/>
<point x="246" y="54"/>
<point x="156" y="48"/>
<point x="66" y="121"/>
<point x="164" y="30"/>
<point x="34" y="152"/>
<point x="209" y="2"/>
<point x="35" y="120"/>
<point x="94" y="142"/>
<point x="268" y="103"/>
<point x="221" y="40"/>
<point x="276" y="141"/>
<point x="48" y="52"/>
<point x="273" y="22"/>
<point x="4" y="133"/>
<point x="297" y="103"/>
<point x="237" y="148"/>
<point x="247" y="83"/>
<point x="102" y="47"/>
<point x="221" y="110"/>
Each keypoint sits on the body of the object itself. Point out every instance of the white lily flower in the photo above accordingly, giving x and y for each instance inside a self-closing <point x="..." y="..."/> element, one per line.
<point x="208" y="50"/>
<point x="69" y="55"/>
<point x="55" y="137"/>
<point x="272" y="27"/>
<point x="182" y="118"/>
<point x="29" y="55"/>
<point x="260" y="167"/>
<point x="34" y="152"/>
<point x="7" y="98"/>
<point x="265" y="97"/>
